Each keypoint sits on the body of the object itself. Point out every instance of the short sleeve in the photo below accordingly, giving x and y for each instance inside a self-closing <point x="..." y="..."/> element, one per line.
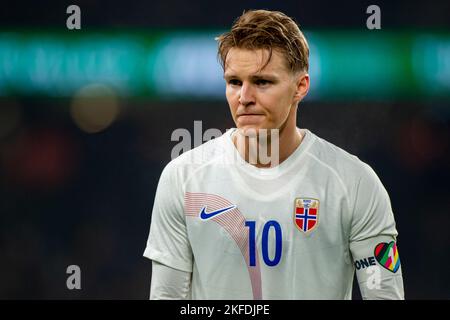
<point x="373" y="240"/>
<point x="168" y="241"/>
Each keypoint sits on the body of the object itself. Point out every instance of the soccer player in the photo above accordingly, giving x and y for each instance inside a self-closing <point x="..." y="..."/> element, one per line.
<point x="226" y="227"/>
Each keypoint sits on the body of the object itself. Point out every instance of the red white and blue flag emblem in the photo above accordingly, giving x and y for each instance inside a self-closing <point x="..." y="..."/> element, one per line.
<point x="306" y="214"/>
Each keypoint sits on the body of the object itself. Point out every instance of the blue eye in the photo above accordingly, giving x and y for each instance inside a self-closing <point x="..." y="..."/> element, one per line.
<point x="234" y="82"/>
<point x="262" y="82"/>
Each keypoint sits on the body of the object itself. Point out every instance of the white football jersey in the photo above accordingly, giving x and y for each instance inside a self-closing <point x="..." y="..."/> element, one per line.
<point x="295" y="231"/>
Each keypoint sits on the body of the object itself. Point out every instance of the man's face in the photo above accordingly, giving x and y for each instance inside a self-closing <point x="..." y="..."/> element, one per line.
<point x="262" y="99"/>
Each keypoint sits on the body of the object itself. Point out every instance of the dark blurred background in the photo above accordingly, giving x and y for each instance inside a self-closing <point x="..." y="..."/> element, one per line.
<point x="82" y="146"/>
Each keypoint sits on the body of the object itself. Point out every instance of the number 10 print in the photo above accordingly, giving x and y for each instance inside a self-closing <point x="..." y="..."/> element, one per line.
<point x="265" y="242"/>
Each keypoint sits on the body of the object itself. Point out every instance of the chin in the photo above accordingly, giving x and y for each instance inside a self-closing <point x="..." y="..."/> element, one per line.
<point x="251" y="130"/>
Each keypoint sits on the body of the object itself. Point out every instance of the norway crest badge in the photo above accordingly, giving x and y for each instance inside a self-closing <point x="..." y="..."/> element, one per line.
<point x="306" y="214"/>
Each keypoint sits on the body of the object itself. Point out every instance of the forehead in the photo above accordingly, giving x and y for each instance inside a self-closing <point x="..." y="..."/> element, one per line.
<point x="246" y="61"/>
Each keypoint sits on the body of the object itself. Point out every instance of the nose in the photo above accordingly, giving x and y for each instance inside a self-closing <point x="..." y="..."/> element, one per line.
<point x="246" y="95"/>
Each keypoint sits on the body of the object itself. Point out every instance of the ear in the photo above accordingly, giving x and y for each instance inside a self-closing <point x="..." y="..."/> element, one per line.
<point x="302" y="88"/>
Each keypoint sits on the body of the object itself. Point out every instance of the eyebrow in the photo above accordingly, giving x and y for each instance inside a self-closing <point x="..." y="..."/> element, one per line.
<point x="253" y="77"/>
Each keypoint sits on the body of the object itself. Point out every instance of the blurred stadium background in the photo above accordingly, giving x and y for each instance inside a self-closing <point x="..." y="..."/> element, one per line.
<point x="86" y="119"/>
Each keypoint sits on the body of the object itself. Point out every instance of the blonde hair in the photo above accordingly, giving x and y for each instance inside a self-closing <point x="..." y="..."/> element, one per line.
<point x="263" y="29"/>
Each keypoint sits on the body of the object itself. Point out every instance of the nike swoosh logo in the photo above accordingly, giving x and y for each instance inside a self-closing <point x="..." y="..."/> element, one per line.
<point x="208" y="215"/>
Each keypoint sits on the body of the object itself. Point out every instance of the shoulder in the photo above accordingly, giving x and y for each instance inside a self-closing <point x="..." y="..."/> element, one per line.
<point x="367" y="197"/>
<point x="336" y="161"/>
<point x="207" y="153"/>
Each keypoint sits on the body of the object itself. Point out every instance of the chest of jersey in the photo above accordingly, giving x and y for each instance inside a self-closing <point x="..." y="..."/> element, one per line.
<point x="268" y="221"/>
<point x="271" y="236"/>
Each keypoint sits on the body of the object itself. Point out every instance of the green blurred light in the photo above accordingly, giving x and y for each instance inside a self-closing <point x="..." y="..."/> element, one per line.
<point x="372" y="65"/>
<point x="431" y="64"/>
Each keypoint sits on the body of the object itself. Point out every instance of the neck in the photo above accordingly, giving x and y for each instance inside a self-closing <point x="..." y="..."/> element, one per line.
<point x="263" y="156"/>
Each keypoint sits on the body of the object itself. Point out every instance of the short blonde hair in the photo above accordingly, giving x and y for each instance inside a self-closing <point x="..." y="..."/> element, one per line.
<point x="263" y="29"/>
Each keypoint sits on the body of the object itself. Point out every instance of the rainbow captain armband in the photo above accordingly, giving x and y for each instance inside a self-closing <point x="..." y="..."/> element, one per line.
<point x="387" y="256"/>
